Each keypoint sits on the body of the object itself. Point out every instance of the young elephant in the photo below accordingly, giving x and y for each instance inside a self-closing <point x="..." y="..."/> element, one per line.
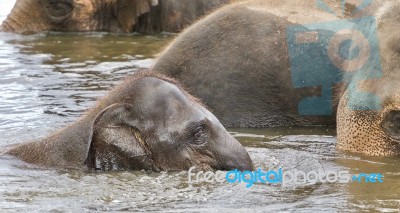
<point x="147" y="16"/>
<point x="148" y="122"/>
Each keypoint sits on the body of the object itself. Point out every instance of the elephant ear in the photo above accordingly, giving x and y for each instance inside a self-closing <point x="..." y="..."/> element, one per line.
<point x="115" y="144"/>
<point x="128" y="11"/>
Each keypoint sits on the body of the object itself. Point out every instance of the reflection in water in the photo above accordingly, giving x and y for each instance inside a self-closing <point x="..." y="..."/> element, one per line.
<point x="48" y="80"/>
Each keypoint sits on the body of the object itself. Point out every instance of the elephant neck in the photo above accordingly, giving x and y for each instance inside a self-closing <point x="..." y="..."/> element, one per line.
<point x="66" y="148"/>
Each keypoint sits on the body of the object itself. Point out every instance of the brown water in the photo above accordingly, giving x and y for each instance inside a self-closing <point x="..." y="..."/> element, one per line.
<point x="47" y="81"/>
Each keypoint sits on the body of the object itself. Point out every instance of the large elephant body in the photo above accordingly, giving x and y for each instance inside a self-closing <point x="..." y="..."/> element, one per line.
<point x="237" y="61"/>
<point x="267" y="63"/>
<point x="117" y="16"/>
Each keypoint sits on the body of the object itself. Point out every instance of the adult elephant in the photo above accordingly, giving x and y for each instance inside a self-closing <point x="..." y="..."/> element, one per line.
<point x="295" y="63"/>
<point x="148" y="122"/>
<point x="117" y="16"/>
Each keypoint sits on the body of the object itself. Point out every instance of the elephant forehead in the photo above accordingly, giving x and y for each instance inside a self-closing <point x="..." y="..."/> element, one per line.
<point x="166" y="96"/>
<point x="387" y="87"/>
<point x="163" y="101"/>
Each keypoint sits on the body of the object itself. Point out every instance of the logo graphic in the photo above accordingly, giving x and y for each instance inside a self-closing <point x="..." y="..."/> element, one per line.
<point x="328" y="53"/>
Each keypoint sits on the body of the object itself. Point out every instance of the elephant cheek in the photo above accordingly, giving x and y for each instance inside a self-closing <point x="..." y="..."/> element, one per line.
<point x="203" y="159"/>
<point x="359" y="131"/>
<point x="170" y="157"/>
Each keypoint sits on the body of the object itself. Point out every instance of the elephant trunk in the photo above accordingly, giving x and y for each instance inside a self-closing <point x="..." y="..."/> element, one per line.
<point x="232" y="155"/>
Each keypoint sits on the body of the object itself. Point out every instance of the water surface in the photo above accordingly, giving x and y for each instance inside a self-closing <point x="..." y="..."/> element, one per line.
<point x="48" y="80"/>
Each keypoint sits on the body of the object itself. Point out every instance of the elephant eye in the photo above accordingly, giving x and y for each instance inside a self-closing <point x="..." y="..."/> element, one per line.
<point x="391" y="124"/>
<point x="58" y="10"/>
<point x="200" y="135"/>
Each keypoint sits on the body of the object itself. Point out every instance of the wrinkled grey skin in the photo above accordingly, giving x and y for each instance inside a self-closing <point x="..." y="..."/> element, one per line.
<point x="148" y="123"/>
<point x="118" y="16"/>
<point x="236" y="60"/>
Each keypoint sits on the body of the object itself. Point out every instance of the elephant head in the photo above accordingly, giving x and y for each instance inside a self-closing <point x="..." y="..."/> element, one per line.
<point x="148" y="122"/>
<point x="30" y="16"/>
<point x="368" y="116"/>
<point x="75" y="15"/>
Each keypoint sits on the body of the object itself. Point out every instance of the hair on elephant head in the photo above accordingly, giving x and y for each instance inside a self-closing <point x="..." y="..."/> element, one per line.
<point x="148" y="122"/>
